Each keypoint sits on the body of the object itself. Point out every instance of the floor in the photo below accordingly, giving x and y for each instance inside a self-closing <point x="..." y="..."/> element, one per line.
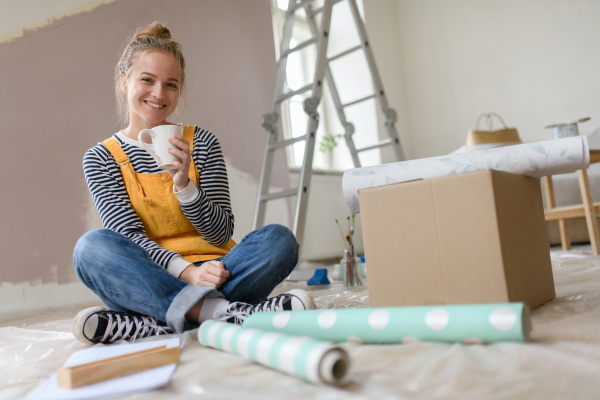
<point x="561" y="360"/>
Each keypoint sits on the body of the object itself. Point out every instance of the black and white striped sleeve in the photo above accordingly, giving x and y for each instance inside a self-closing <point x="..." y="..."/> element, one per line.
<point x="105" y="182"/>
<point x="210" y="212"/>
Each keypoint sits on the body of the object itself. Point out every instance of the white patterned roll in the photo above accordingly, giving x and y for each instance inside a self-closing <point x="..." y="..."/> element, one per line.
<point x="312" y="360"/>
<point x="536" y="159"/>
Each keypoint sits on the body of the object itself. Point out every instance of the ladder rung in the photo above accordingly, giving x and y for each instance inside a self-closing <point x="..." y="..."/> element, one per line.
<point x="320" y="9"/>
<point x="316" y="11"/>
<point x="294" y="93"/>
<point x="358" y="101"/>
<point x="383" y="143"/>
<point x="298" y="6"/>
<point x="343" y="53"/>
<point x="298" y="47"/>
<point x="284" y="143"/>
<point x="278" y="195"/>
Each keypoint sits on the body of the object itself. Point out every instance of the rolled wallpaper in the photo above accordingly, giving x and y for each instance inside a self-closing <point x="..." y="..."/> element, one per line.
<point x="536" y="159"/>
<point x="472" y="323"/>
<point x="312" y="360"/>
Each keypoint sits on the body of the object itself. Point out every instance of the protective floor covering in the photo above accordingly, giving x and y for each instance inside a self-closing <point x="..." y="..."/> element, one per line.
<point x="562" y="360"/>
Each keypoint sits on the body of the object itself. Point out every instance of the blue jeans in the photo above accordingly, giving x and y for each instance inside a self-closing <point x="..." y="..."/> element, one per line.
<point x="122" y="274"/>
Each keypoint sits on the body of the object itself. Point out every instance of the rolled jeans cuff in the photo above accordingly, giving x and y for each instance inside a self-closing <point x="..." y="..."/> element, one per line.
<point x="187" y="298"/>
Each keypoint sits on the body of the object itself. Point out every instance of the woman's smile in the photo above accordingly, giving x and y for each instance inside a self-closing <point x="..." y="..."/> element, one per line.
<point x="155" y="105"/>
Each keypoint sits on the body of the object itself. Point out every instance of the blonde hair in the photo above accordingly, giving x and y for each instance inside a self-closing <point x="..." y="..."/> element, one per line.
<point x="155" y="37"/>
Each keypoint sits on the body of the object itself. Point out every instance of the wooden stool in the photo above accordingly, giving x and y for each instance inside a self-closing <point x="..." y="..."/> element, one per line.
<point x="588" y="209"/>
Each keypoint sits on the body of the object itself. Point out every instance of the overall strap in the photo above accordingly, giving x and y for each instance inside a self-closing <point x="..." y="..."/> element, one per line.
<point x="115" y="149"/>
<point x="188" y="133"/>
<point x="126" y="168"/>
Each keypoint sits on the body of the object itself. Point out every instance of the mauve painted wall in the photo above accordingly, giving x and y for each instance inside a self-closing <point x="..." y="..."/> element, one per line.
<point x="57" y="101"/>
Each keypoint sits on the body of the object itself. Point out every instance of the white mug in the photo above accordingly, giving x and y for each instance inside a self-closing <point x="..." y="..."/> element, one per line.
<point x="160" y="136"/>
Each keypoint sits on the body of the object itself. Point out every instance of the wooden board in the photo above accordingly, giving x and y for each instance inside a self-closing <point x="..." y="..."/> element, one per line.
<point x="98" y="371"/>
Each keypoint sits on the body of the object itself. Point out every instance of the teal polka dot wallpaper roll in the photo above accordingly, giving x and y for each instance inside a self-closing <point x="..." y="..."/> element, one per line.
<point x="455" y="323"/>
<point x="312" y="360"/>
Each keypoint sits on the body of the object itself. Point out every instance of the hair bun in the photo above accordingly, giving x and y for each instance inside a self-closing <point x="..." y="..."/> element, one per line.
<point x="155" y="30"/>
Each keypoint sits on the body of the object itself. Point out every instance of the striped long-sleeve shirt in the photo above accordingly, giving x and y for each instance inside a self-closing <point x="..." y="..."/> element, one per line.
<point x="207" y="206"/>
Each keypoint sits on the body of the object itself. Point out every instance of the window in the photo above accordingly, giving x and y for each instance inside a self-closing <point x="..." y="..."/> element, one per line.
<point x="352" y="80"/>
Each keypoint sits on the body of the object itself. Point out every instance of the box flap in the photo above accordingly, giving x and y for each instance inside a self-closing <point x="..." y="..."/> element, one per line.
<point x="525" y="252"/>
<point x="471" y="255"/>
<point x="402" y="246"/>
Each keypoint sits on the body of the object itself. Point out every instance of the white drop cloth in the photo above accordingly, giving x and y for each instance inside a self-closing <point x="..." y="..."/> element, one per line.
<point x="562" y="361"/>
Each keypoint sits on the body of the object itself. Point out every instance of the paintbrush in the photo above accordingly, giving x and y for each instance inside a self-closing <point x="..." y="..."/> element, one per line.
<point x="341" y="234"/>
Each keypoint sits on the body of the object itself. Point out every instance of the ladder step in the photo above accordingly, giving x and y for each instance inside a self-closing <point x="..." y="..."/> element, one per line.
<point x="316" y="11"/>
<point x="284" y="143"/>
<point x="359" y="101"/>
<point x="383" y="143"/>
<point x="294" y="93"/>
<point x="278" y="195"/>
<point x="344" y="53"/>
<point x="300" y="5"/>
<point x="298" y="47"/>
<point x="320" y="9"/>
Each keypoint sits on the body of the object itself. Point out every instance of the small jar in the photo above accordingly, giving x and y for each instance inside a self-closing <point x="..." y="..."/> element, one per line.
<point x="351" y="270"/>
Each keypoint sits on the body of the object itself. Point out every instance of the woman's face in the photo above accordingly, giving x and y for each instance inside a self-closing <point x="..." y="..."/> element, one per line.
<point x="153" y="87"/>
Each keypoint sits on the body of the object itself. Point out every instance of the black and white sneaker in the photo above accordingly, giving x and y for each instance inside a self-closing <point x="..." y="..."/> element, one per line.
<point x="293" y="300"/>
<point x="100" y="325"/>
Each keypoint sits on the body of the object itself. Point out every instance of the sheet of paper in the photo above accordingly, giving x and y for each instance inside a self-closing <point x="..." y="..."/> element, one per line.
<point x="141" y="381"/>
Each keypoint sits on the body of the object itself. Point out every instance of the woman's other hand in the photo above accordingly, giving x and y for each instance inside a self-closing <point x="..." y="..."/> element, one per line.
<point x="209" y="274"/>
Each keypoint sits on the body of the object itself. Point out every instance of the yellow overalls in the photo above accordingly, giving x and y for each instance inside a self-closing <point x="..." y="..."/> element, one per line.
<point x="157" y="206"/>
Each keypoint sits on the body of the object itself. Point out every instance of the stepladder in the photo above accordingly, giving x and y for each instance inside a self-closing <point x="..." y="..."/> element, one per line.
<point x="317" y="14"/>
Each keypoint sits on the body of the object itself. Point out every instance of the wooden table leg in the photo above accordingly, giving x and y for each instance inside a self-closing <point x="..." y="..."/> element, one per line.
<point x="590" y="215"/>
<point x="565" y="240"/>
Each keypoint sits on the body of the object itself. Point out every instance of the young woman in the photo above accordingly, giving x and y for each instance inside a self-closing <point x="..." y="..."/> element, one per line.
<point x="164" y="261"/>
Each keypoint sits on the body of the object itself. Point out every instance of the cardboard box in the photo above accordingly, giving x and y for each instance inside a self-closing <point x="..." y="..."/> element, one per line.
<point x="478" y="237"/>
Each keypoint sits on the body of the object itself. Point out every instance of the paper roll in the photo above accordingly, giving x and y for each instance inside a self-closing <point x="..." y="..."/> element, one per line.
<point x="537" y="159"/>
<point x="475" y="323"/>
<point x="312" y="360"/>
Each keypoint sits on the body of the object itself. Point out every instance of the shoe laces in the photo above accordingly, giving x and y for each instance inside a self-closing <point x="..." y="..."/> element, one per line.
<point x="131" y="327"/>
<point x="237" y="312"/>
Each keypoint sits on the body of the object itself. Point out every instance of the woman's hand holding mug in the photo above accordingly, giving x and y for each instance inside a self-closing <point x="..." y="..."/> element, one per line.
<point x="170" y="150"/>
<point x="181" y="161"/>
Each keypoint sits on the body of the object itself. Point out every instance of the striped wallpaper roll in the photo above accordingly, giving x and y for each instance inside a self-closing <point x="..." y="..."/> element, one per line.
<point x="312" y="360"/>
<point x="455" y="323"/>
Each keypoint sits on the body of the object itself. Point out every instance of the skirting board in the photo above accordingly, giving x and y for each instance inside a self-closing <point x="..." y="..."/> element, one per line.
<point x="25" y="298"/>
